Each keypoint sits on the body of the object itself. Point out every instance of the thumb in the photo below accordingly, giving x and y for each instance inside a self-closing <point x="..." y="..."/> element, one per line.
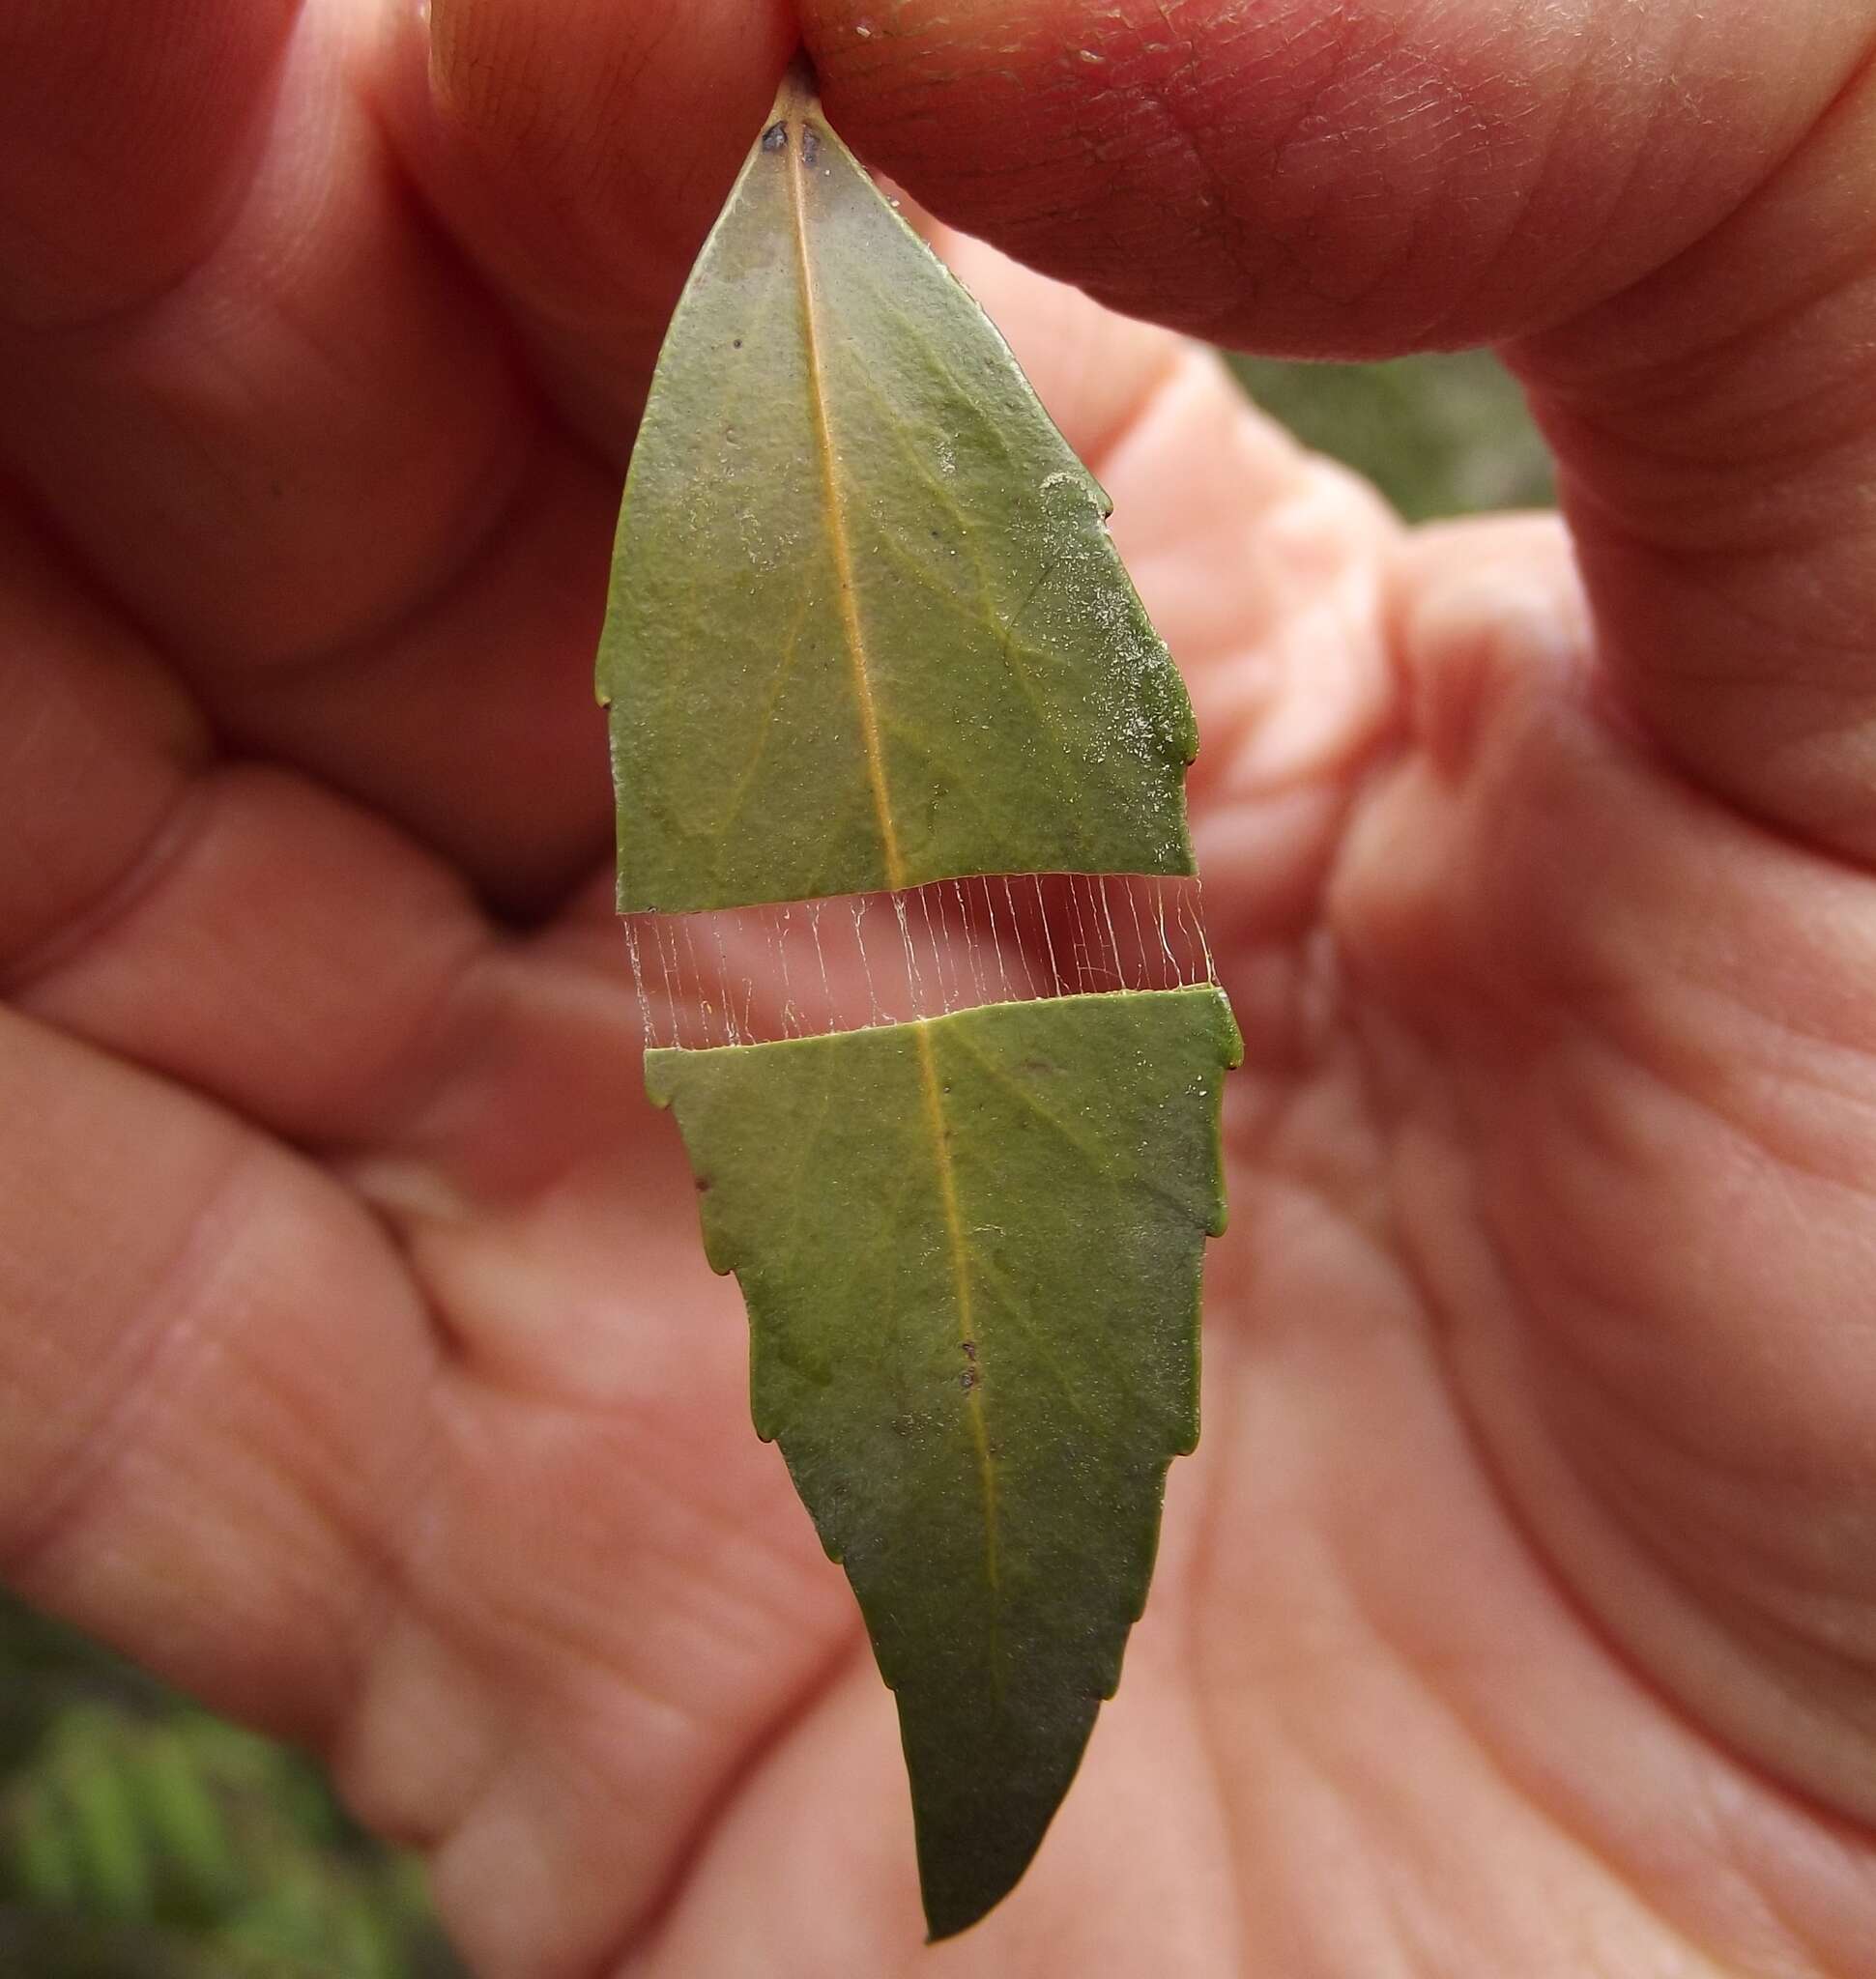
<point x="1662" y="213"/>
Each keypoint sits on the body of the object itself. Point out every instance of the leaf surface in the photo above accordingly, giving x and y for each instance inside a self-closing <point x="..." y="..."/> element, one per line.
<point x="971" y="1247"/>
<point x="866" y="627"/>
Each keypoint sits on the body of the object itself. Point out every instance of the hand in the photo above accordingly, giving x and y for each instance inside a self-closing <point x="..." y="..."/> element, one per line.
<point x="358" y="1365"/>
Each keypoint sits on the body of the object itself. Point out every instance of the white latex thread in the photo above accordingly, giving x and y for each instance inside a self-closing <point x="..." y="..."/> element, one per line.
<point x="914" y="975"/>
<point x="1083" y="886"/>
<point x="1048" y="937"/>
<point x="1016" y="934"/>
<point x="1194" y="920"/>
<point x="997" y="939"/>
<point x="1100" y="976"/>
<point x="1166" y="946"/>
<point x="667" y="937"/>
<point x="937" y="950"/>
<point x="984" y="916"/>
<point x="680" y="996"/>
<point x="1083" y="961"/>
<point x="957" y="948"/>
<point x="723" y="982"/>
<point x="873" y="1011"/>
<point x="820" y="955"/>
<point x="973" y="988"/>
<point x="790" y="1010"/>
<point x="1114" y="939"/>
<point x="1107" y="964"/>
<point x="1106" y="955"/>
<point x="1140" y="937"/>
<point x="711" y="1012"/>
<point x="638" y="981"/>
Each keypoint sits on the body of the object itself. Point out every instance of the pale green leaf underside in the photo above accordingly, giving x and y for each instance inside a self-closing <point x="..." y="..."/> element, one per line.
<point x="866" y="627"/>
<point x="970" y="1251"/>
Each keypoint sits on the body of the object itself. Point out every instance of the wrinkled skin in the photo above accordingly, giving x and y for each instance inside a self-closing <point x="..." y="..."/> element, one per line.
<point x="359" y="1367"/>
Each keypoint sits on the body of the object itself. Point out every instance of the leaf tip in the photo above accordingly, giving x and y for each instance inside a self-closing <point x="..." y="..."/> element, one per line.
<point x="987" y="1781"/>
<point x="950" y="1912"/>
<point x="957" y="1892"/>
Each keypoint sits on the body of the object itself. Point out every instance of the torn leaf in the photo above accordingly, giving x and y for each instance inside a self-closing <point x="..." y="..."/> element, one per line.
<point x="971" y="1250"/>
<point x="866" y="628"/>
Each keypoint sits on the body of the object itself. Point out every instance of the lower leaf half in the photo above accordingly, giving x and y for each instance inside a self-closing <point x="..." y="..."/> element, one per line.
<point x="971" y="1248"/>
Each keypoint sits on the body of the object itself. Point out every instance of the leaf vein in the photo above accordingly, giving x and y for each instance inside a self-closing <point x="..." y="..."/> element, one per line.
<point x="843" y="554"/>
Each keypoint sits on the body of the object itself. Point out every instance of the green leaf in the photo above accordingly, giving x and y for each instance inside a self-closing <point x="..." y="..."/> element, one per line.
<point x="866" y="626"/>
<point x="971" y="1247"/>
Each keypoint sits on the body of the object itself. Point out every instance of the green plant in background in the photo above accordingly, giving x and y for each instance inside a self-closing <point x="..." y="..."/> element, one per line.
<point x="1438" y="436"/>
<point x="140" y="1838"/>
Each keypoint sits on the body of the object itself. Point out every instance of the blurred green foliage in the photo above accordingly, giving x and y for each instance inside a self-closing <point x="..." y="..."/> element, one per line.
<point x="141" y="1838"/>
<point x="1439" y="436"/>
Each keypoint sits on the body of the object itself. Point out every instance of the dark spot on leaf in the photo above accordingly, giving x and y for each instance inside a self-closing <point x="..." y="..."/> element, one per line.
<point x="810" y="146"/>
<point x="970" y="1350"/>
<point x="737" y="344"/>
<point x="775" y="137"/>
<point x="967" y="1380"/>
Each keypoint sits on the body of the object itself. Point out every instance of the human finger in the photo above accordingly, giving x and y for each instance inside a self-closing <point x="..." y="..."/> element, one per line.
<point x="1661" y="213"/>
<point x="304" y="464"/>
<point x="577" y="154"/>
<point x="126" y="139"/>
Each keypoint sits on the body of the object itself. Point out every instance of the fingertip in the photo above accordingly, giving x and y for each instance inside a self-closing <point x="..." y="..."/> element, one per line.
<point x="579" y="147"/>
<point x="126" y="139"/>
<point x="1485" y="611"/>
<point x="1348" y="181"/>
<point x="1139" y="150"/>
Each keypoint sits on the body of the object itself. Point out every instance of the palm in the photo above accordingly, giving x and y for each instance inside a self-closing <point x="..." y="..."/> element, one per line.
<point x="401" y="1364"/>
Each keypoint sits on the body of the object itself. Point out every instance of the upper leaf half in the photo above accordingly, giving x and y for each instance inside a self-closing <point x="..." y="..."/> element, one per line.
<point x="866" y="627"/>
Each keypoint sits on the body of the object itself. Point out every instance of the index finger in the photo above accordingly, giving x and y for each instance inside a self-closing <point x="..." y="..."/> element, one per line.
<point x="1662" y="211"/>
<point x="578" y="150"/>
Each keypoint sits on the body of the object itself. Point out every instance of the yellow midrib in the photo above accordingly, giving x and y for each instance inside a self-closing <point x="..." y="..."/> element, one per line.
<point x="961" y="1273"/>
<point x="895" y="868"/>
<point x="849" y="604"/>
